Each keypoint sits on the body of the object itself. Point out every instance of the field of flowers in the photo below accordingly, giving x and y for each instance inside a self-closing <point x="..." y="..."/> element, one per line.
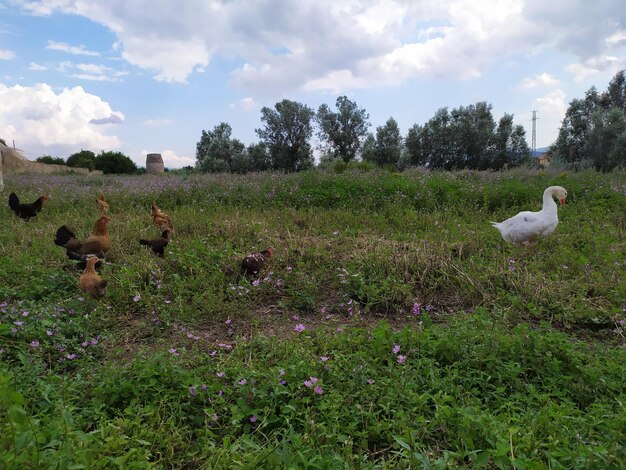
<point x="393" y="327"/>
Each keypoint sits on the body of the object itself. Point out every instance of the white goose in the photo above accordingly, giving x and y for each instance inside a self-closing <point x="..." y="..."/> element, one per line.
<point x="526" y="227"/>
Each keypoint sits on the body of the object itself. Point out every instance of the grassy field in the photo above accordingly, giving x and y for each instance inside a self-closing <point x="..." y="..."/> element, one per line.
<point x="392" y="328"/>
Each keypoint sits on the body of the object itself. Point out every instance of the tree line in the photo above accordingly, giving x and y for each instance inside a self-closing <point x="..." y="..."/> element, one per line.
<point x="106" y="161"/>
<point x="593" y="132"/>
<point x="465" y="137"/>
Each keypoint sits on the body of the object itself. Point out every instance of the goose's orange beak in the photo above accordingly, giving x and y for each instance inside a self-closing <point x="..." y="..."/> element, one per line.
<point x="562" y="202"/>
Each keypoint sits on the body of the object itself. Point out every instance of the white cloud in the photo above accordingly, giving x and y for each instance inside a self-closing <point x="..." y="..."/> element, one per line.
<point x="335" y="46"/>
<point x="93" y="72"/>
<point x="544" y="79"/>
<point x="74" y="50"/>
<point x="552" y="104"/>
<point x="37" y="67"/>
<point x="59" y="123"/>
<point x="247" y="104"/>
<point x="607" y="64"/>
<point x="6" y="54"/>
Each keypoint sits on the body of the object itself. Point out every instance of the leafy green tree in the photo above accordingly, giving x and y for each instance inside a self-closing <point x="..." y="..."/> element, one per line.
<point x="342" y="132"/>
<point x="607" y="132"/>
<point x="82" y="159"/>
<point x="114" y="163"/>
<point x="259" y="157"/>
<point x="216" y="150"/>
<point x="50" y="160"/>
<point x="368" y="149"/>
<point x="472" y="130"/>
<point x="286" y="132"/>
<point x="592" y="129"/>
<point x="413" y="144"/>
<point x="388" y="143"/>
<point x="510" y="146"/>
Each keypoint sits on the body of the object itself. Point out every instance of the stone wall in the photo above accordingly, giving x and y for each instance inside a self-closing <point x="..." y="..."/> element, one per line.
<point x="14" y="162"/>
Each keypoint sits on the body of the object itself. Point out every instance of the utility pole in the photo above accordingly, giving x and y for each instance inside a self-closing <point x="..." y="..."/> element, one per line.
<point x="534" y="135"/>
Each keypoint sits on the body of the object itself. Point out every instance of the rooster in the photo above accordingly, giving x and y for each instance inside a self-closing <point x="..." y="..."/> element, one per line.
<point x="26" y="211"/>
<point x="89" y="280"/>
<point x="254" y="262"/>
<point x="97" y="244"/>
<point x="102" y="204"/>
<point x="157" y="245"/>
<point x="161" y="219"/>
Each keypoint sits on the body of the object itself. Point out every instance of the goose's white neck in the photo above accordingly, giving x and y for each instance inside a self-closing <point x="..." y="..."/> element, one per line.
<point x="548" y="201"/>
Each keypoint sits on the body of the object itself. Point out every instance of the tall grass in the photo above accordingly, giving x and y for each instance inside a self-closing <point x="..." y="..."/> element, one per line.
<point x="507" y="356"/>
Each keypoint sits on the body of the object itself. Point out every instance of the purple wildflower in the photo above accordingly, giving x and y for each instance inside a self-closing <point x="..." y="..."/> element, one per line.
<point x="253" y="419"/>
<point x="395" y="349"/>
<point x="137" y="298"/>
<point x="417" y="309"/>
<point x="34" y="343"/>
<point x="324" y="358"/>
<point x="242" y="382"/>
<point x="193" y="391"/>
<point x="299" y="328"/>
<point x="318" y="389"/>
<point x="174" y="352"/>
<point x="401" y="359"/>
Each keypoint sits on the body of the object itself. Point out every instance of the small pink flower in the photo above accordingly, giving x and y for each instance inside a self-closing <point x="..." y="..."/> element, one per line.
<point x="253" y="419"/>
<point x="324" y="358"/>
<point x="228" y="322"/>
<point x="174" y="352"/>
<point x="34" y="343"/>
<point x="417" y="309"/>
<point x="220" y="374"/>
<point x="319" y="390"/>
<point x="71" y="356"/>
<point x="137" y="298"/>
<point x="193" y="391"/>
<point x="370" y="381"/>
<point x="396" y="348"/>
<point x="49" y="333"/>
<point x="401" y="359"/>
<point x="256" y="282"/>
<point x="299" y="328"/>
<point x="281" y="372"/>
<point x="242" y="382"/>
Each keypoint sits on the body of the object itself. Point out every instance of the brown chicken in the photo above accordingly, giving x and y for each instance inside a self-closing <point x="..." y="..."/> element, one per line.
<point x="254" y="262"/>
<point x="97" y="244"/>
<point x="161" y="219"/>
<point x="26" y="211"/>
<point x="102" y="204"/>
<point x="157" y="245"/>
<point x="90" y="282"/>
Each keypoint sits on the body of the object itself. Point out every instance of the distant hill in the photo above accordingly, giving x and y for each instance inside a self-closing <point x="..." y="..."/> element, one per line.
<point x="540" y="151"/>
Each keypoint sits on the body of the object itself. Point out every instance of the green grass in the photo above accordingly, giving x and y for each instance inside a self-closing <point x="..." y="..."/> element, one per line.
<point x="514" y="360"/>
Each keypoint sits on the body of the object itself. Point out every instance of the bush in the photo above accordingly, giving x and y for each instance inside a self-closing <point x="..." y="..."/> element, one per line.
<point x="115" y="163"/>
<point x="82" y="159"/>
<point x="50" y="160"/>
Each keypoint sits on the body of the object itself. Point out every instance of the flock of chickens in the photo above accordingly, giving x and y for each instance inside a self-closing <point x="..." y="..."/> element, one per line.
<point x="90" y="251"/>
<point x="524" y="229"/>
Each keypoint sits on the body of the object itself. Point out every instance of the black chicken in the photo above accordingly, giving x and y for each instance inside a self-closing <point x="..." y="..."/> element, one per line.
<point x="157" y="245"/>
<point x="26" y="211"/>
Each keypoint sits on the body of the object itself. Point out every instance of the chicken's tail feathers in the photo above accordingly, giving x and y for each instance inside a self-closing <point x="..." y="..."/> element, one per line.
<point x="103" y="284"/>
<point x="14" y="201"/>
<point x="495" y="224"/>
<point x="144" y="242"/>
<point x="63" y="235"/>
<point x="82" y="259"/>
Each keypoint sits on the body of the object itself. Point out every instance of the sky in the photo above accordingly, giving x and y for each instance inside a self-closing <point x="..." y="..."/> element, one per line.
<point x="148" y="76"/>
